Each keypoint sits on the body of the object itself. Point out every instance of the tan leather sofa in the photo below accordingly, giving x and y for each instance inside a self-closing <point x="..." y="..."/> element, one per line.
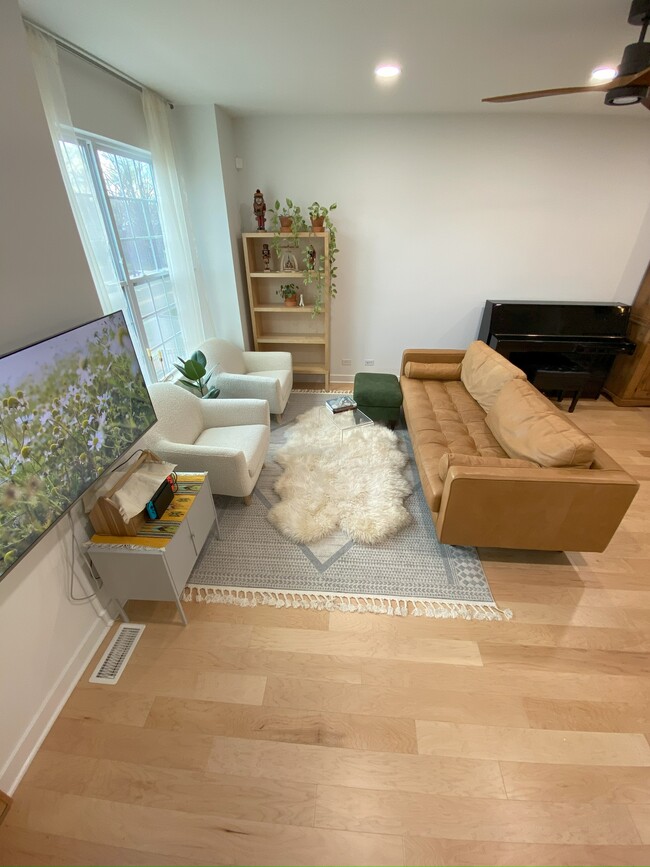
<point x="500" y="465"/>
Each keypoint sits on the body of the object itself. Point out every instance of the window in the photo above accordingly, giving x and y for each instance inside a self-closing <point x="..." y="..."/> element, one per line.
<point x="129" y="241"/>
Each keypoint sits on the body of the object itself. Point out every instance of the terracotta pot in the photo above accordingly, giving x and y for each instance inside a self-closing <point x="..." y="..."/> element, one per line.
<point x="317" y="224"/>
<point x="285" y="224"/>
<point x="291" y="301"/>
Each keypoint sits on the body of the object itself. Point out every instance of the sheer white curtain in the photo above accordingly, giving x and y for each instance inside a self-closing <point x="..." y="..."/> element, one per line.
<point x="186" y="278"/>
<point x="74" y="170"/>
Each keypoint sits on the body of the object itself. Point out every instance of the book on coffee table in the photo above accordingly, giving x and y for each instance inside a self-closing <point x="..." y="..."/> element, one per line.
<point x="340" y="404"/>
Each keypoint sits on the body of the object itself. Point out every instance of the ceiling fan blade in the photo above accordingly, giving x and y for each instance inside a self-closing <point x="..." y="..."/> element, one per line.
<point x="535" y="94"/>
<point x="640" y="79"/>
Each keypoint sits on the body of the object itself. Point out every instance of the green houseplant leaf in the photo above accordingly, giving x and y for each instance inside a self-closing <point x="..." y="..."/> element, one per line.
<point x="193" y="370"/>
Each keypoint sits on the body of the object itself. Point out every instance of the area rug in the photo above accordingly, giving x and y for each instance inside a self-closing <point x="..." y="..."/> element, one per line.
<point x="408" y="573"/>
<point x="334" y="479"/>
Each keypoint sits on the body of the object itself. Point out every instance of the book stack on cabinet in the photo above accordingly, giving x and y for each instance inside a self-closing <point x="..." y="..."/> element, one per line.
<point x="291" y="329"/>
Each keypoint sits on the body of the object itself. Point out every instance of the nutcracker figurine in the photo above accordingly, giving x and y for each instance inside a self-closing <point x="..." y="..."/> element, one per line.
<point x="259" y="209"/>
<point x="266" y="257"/>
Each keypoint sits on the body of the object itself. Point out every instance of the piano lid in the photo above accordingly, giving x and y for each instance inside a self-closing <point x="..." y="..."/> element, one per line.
<point x="554" y="318"/>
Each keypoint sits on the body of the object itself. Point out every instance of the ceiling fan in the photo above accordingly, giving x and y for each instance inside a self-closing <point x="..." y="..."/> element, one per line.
<point x="631" y="84"/>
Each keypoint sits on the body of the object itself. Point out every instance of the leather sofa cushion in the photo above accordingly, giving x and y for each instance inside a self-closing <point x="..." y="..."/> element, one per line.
<point x="421" y="370"/>
<point x="442" y="417"/>
<point x="454" y="460"/>
<point x="484" y="373"/>
<point x="529" y="427"/>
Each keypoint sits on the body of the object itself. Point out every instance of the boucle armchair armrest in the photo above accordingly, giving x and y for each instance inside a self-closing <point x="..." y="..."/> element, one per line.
<point x="243" y="385"/>
<point x="559" y="509"/>
<point x="227" y="468"/>
<point x="260" y="361"/>
<point x="184" y="452"/>
<point x="226" y="413"/>
<point x="432" y="356"/>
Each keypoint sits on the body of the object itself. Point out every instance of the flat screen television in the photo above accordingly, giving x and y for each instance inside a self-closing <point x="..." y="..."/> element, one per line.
<point x="71" y="406"/>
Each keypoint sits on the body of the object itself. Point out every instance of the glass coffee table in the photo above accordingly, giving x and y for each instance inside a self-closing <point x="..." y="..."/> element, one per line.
<point x="348" y="420"/>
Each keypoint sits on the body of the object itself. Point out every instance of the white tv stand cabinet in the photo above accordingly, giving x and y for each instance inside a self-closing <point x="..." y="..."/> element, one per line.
<point x="156" y="568"/>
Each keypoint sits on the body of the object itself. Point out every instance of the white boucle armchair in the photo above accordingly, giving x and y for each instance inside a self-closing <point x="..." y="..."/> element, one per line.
<point x="227" y="438"/>
<point x="264" y="375"/>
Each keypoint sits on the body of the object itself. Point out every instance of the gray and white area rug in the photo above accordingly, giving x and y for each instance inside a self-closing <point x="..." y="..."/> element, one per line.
<point x="410" y="573"/>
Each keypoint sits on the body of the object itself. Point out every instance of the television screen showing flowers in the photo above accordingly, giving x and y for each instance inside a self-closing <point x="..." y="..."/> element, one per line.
<point x="70" y="407"/>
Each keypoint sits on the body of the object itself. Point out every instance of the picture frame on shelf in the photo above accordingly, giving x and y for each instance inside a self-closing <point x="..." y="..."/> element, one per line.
<point x="288" y="262"/>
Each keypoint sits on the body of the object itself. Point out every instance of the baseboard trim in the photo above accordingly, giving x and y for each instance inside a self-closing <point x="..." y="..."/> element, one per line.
<point x="342" y="379"/>
<point x="43" y="720"/>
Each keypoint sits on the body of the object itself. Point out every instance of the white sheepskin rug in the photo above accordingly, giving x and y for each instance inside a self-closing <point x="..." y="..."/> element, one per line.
<point x="356" y="484"/>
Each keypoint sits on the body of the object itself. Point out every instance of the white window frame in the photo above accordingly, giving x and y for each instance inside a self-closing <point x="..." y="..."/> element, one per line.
<point x="159" y="358"/>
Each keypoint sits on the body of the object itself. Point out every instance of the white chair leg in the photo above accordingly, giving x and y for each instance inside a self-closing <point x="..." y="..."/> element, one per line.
<point x="278" y="417"/>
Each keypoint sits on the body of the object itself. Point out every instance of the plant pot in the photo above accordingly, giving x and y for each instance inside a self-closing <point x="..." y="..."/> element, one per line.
<point x="292" y="301"/>
<point x="317" y="224"/>
<point x="286" y="224"/>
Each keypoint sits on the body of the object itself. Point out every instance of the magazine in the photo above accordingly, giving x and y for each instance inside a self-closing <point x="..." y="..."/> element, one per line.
<point x="340" y="404"/>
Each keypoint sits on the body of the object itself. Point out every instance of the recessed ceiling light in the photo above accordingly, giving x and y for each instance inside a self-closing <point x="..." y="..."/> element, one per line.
<point x="387" y="70"/>
<point x="604" y="73"/>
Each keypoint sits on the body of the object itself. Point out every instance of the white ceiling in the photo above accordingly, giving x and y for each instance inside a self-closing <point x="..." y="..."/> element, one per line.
<point x="318" y="56"/>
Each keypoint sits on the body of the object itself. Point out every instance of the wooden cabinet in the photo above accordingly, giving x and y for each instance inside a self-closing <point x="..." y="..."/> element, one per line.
<point x="628" y="383"/>
<point x="298" y="330"/>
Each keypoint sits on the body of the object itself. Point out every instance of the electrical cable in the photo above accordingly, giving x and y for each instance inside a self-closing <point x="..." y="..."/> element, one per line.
<point x="137" y="452"/>
<point x="75" y="542"/>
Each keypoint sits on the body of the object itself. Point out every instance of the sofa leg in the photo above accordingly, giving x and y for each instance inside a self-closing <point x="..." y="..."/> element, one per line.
<point x="248" y="500"/>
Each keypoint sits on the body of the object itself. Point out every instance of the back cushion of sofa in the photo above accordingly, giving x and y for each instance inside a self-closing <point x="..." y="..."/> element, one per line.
<point x="528" y="427"/>
<point x="484" y="373"/>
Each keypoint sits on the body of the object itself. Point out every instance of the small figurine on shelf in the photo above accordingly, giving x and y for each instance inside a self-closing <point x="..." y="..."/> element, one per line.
<point x="301" y="302"/>
<point x="259" y="209"/>
<point x="266" y="257"/>
<point x="311" y="257"/>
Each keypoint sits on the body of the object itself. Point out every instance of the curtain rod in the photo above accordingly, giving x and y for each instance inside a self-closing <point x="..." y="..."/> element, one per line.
<point x="91" y="58"/>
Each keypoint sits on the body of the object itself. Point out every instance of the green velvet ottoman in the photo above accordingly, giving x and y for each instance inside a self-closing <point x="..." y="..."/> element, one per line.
<point x="378" y="395"/>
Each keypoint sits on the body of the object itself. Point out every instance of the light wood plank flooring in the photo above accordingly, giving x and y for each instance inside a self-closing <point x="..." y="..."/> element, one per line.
<point x="258" y="736"/>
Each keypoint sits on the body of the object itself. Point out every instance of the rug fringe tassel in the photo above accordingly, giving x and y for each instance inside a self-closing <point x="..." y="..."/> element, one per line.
<point x="391" y="606"/>
<point x="322" y="390"/>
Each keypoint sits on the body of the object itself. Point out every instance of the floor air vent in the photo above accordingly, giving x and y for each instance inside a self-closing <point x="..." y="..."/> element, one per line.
<point x="114" y="661"/>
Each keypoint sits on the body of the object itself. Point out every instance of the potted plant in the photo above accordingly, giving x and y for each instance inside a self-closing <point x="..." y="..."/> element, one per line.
<point x="287" y="219"/>
<point x="289" y="292"/>
<point x="318" y="214"/>
<point x="194" y="372"/>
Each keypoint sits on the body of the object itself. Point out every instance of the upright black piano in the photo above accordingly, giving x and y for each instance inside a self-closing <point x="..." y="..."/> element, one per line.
<point x="559" y="346"/>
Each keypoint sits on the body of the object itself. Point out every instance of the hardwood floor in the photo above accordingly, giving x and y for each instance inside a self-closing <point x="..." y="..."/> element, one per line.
<point x="264" y="736"/>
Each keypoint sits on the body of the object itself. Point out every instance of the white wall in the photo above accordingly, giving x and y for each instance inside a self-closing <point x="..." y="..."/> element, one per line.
<point x="46" y="287"/>
<point x="437" y="214"/>
<point x="230" y="180"/>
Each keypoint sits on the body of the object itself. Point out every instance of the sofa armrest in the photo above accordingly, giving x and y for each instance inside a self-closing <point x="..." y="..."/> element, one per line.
<point x="432" y="356"/>
<point x="545" y="509"/>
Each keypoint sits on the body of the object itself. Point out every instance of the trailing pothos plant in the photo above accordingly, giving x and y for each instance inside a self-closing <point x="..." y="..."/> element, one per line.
<point x="298" y="224"/>
<point x="316" y="275"/>
<point x="314" y="265"/>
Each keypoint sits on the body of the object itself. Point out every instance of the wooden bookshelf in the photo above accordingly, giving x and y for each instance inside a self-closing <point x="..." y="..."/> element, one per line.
<point x="277" y="326"/>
